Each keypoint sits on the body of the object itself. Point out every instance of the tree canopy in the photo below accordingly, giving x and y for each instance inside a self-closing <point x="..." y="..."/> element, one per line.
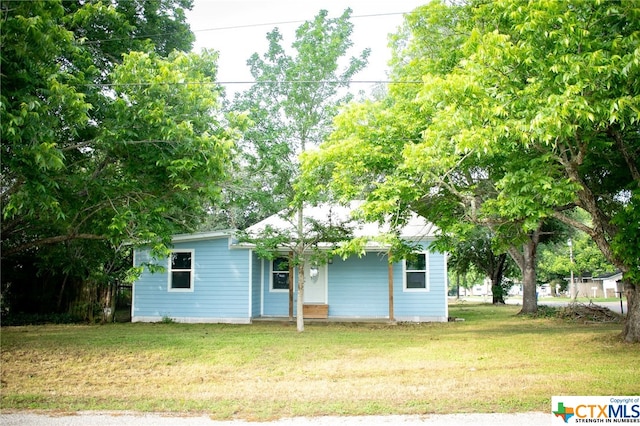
<point x="291" y="107"/>
<point x="535" y="113"/>
<point x="110" y="134"/>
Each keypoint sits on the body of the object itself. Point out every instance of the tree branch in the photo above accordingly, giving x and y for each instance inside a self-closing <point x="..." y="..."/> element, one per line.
<point x="574" y="223"/>
<point x="77" y="145"/>
<point x="598" y="237"/>
<point x="517" y="256"/>
<point x="628" y="158"/>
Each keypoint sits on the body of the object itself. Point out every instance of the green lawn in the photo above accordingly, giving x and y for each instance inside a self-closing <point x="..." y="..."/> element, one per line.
<point x="494" y="361"/>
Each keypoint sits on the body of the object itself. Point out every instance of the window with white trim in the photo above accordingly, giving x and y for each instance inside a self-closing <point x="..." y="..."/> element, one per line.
<point x="280" y="274"/>
<point x="181" y="270"/>
<point x="416" y="277"/>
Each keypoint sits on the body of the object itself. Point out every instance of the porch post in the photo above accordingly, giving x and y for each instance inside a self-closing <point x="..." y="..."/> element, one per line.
<point x="391" y="314"/>
<point x="291" y="286"/>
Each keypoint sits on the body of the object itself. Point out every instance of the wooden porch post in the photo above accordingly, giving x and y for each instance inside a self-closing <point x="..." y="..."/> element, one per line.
<point x="391" y="314"/>
<point x="291" y="286"/>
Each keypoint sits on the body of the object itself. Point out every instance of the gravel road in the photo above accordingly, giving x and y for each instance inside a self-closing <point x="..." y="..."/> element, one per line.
<point x="131" y="419"/>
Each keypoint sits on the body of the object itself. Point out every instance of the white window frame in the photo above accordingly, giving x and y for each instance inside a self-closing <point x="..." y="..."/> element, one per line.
<point x="192" y="272"/>
<point x="272" y="271"/>
<point x="427" y="284"/>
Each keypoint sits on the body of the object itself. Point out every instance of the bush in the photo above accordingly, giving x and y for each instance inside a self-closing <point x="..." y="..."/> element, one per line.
<point x="21" y="318"/>
<point x="545" y="311"/>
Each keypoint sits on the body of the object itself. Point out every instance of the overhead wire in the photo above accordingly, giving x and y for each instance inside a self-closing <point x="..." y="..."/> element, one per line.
<point x="372" y="15"/>
<point x="222" y="83"/>
<point x="234" y="27"/>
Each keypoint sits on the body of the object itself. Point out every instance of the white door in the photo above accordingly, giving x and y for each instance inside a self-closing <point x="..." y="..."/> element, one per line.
<point x="315" y="288"/>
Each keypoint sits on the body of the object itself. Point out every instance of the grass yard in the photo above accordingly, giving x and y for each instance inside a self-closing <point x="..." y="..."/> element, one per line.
<point x="494" y="361"/>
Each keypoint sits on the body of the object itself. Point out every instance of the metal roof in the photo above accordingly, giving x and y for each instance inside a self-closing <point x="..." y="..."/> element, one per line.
<point x="416" y="228"/>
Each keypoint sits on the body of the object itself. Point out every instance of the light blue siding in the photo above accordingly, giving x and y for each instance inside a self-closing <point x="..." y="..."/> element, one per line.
<point x="276" y="303"/>
<point x="430" y="304"/>
<point x="221" y="286"/>
<point x="359" y="287"/>
<point x="256" y="264"/>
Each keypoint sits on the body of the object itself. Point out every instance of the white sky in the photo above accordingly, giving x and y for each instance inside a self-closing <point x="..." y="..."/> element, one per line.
<point x="210" y="21"/>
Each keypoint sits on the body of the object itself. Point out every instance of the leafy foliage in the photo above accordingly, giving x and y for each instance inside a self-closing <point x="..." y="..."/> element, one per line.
<point x="290" y="109"/>
<point x="102" y="145"/>
<point x="534" y="113"/>
<point x="320" y="237"/>
<point x="473" y="250"/>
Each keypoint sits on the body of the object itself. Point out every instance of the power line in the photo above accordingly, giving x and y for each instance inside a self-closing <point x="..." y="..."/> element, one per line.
<point x="234" y="27"/>
<point x="223" y="83"/>
<point x="321" y="82"/>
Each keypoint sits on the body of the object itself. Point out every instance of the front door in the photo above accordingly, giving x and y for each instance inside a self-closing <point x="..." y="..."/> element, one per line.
<point x="315" y="288"/>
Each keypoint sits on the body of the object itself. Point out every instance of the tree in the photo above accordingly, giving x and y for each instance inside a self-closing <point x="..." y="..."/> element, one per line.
<point x="101" y="147"/>
<point x="555" y="264"/>
<point x="560" y="80"/>
<point x="473" y="250"/>
<point x="306" y="236"/>
<point x="552" y="87"/>
<point x="292" y="105"/>
<point x="541" y="105"/>
<point x="398" y="153"/>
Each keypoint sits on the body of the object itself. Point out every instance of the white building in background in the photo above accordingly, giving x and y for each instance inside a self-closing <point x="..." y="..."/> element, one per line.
<point x="611" y="284"/>
<point x="544" y="290"/>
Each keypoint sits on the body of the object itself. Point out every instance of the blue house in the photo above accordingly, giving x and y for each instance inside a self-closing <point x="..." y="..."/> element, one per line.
<point x="212" y="277"/>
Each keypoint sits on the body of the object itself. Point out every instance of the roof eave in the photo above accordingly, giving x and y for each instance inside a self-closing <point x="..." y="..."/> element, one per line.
<point x="203" y="236"/>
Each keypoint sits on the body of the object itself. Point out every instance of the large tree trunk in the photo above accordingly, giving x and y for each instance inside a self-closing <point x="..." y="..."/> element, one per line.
<point x="496" y="279"/>
<point x="496" y="292"/>
<point x="529" y="294"/>
<point x="526" y="261"/>
<point x="631" y="330"/>
<point x="603" y="230"/>
<point x="109" y="301"/>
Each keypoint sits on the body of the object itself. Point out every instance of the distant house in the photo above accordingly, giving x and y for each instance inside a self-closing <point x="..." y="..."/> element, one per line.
<point x="212" y="277"/>
<point x="601" y="286"/>
<point x="610" y="284"/>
